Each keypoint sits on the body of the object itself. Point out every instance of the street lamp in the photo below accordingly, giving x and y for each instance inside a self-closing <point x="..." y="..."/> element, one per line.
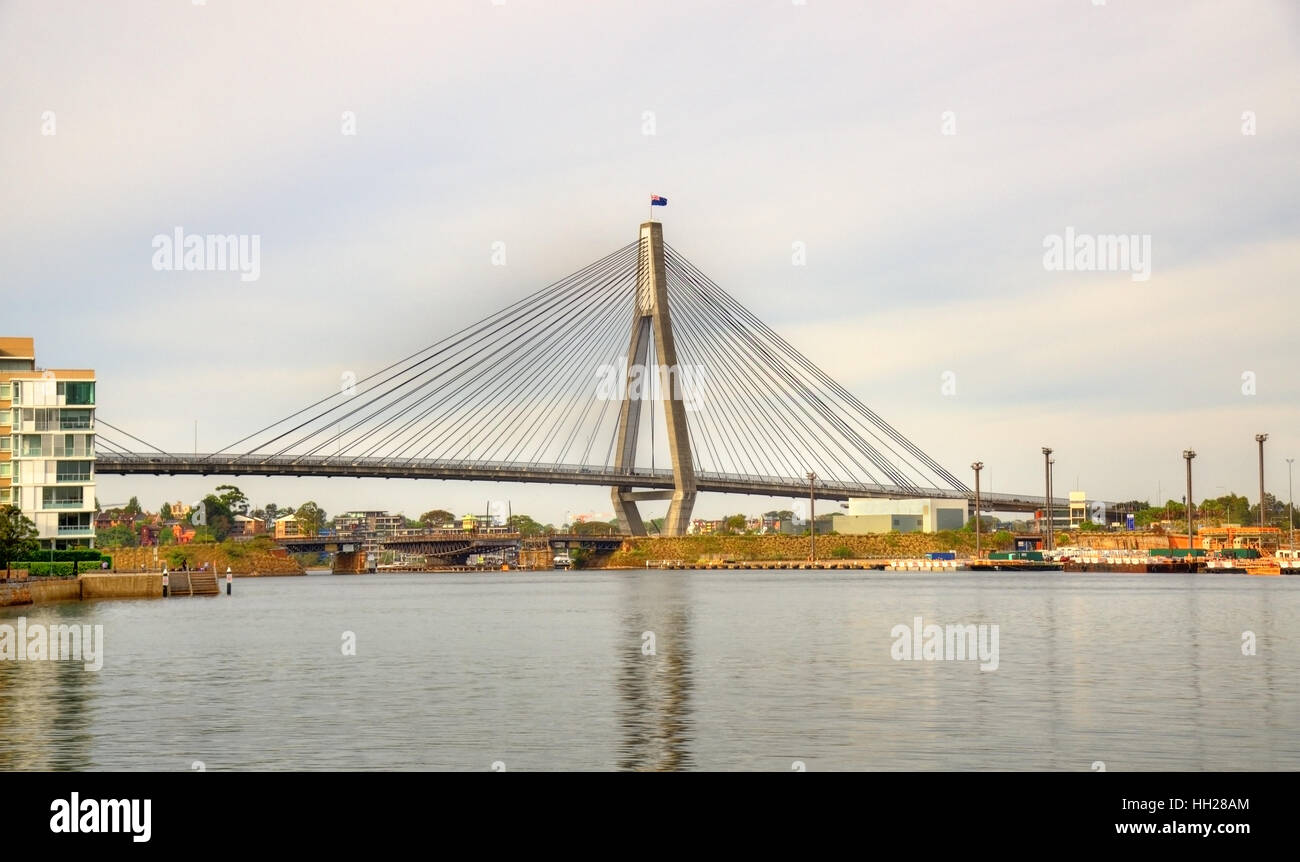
<point x="1047" y="473"/>
<point x="812" y="518"/>
<point x="1188" y="455"/>
<point x="1260" y="438"/>
<point x="977" y="466"/>
<point x="1290" y="503"/>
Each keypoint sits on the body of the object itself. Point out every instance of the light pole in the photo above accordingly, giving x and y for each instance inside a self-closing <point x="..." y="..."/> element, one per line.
<point x="1047" y="475"/>
<point x="1290" y="503"/>
<point x="977" y="466"/>
<point x="1051" y="484"/>
<point x="1188" y="455"/>
<point x="1260" y="438"/>
<point x="812" y="519"/>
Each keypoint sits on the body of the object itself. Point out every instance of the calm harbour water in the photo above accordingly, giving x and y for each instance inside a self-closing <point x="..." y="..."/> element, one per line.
<point x="751" y="670"/>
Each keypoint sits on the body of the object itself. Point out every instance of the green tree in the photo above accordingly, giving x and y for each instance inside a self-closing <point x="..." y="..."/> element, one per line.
<point x="437" y="518"/>
<point x="233" y="499"/>
<point x="311" y="518"/>
<point x="733" y="524"/>
<point x="165" y="512"/>
<point x="215" y="515"/>
<point x="132" y="507"/>
<point x="120" y="536"/>
<point x="18" y="536"/>
<point x="525" y="526"/>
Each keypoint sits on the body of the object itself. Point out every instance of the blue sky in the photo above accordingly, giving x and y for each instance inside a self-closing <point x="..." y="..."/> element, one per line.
<point x="774" y="123"/>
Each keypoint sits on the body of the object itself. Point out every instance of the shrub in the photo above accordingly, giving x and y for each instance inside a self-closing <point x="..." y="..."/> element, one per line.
<point x="45" y="570"/>
<point x="841" y="553"/>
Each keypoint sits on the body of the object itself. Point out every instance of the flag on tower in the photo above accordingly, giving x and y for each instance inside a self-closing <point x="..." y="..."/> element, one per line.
<point x="658" y="201"/>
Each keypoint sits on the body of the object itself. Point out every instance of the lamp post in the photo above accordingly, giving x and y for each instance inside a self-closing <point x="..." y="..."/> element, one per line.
<point x="977" y="466"/>
<point x="812" y="518"/>
<point x="1290" y="503"/>
<point x="1188" y="455"/>
<point x="1260" y="438"/>
<point x="1047" y="474"/>
<point x="1051" y="484"/>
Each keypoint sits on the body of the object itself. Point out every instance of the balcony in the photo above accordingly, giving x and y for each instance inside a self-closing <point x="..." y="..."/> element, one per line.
<point x="63" y="478"/>
<point x="63" y="504"/>
<point x="76" y="530"/>
<point x="73" y="452"/>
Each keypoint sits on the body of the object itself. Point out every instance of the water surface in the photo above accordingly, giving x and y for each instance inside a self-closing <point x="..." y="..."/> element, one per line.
<point x="750" y="670"/>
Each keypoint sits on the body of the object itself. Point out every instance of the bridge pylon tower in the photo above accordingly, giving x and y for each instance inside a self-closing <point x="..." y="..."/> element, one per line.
<point x="651" y="319"/>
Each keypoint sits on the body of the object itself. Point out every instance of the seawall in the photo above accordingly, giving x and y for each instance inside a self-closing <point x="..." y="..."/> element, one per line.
<point x="97" y="586"/>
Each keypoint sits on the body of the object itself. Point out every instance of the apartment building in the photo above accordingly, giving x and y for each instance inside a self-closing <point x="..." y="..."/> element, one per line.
<point x="47" y="445"/>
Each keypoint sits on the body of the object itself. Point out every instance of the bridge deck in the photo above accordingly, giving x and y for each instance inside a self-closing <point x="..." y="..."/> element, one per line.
<point x="560" y="474"/>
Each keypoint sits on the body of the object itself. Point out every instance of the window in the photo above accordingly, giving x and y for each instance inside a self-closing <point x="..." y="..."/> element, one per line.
<point x="5" y="417"/>
<point x="5" y="443"/>
<point x="4" y="495"/>
<point x="74" y="523"/>
<point x="73" y="471"/>
<point x="4" y="469"/>
<point x="18" y="393"/>
<point x="6" y="391"/>
<point x="71" y="420"/>
<point x="61" y="498"/>
<point x="77" y="392"/>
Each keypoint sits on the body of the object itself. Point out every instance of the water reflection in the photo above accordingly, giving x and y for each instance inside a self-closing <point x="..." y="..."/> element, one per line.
<point x="45" y="714"/>
<point x="655" y="689"/>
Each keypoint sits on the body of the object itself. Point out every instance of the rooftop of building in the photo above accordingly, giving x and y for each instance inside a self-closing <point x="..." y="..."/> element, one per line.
<point x="17" y="347"/>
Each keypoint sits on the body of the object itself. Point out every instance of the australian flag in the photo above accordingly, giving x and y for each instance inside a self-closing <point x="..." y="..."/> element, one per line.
<point x="658" y="201"/>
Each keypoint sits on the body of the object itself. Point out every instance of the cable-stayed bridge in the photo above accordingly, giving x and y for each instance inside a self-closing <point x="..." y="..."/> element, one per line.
<point x="636" y="372"/>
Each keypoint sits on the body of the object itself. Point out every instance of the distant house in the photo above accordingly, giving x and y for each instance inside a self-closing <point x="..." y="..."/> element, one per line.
<point x="369" y="522"/>
<point x="246" y="526"/>
<point x="286" y="527"/>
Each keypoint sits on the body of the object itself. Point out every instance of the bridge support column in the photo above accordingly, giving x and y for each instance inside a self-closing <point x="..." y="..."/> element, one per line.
<point x="651" y="319"/>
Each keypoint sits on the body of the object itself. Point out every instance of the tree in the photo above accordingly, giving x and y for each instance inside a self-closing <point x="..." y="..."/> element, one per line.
<point x="233" y="499"/>
<point x="524" y="525"/>
<point x="734" y="524"/>
<point x="593" y="528"/>
<point x="216" y="517"/>
<point x="310" y="518"/>
<point x="165" y="512"/>
<point x="120" y="536"/>
<point x="437" y="518"/>
<point x="18" y="536"/>
<point x="132" y="507"/>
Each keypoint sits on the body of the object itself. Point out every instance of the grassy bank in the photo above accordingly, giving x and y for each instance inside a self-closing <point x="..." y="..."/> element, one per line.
<point x="635" y="552"/>
<point x="243" y="558"/>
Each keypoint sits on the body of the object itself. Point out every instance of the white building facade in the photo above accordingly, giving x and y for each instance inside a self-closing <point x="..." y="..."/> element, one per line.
<point x="47" y="458"/>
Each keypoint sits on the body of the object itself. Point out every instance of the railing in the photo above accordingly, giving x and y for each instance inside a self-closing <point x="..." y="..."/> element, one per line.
<point x="74" y="452"/>
<point x="75" y="529"/>
<point x="64" y="504"/>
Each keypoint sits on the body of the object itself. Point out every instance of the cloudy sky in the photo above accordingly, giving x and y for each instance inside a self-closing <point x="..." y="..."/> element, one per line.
<point x="923" y="153"/>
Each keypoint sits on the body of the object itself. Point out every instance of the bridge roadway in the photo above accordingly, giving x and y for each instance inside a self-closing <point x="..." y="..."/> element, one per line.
<point x="559" y="474"/>
<point x="441" y="543"/>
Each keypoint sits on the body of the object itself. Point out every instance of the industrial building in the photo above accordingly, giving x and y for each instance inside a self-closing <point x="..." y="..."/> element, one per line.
<point x="924" y="515"/>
